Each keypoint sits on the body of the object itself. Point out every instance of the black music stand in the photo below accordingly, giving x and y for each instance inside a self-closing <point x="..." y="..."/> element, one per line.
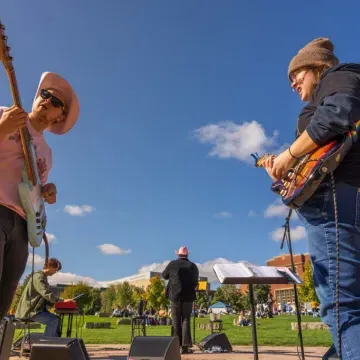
<point x="281" y="278"/>
<point x="194" y="318"/>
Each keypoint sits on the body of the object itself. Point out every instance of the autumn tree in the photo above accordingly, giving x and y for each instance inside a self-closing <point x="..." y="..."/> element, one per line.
<point x="124" y="295"/>
<point x="138" y="295"/>
<point x="155" y="293"/>
<point x="307" y="289"/>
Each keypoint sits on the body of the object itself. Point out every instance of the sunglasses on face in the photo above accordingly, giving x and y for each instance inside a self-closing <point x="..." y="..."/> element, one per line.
<point x="45" y="94"/>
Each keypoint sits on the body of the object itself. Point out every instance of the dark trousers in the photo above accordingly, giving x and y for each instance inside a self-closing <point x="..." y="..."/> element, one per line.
<point x="181" y="314"/>
<point x="13" y="255"/>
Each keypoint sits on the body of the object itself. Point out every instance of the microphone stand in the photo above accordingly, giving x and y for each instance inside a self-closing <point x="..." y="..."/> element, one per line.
<point x="298" y="313"/>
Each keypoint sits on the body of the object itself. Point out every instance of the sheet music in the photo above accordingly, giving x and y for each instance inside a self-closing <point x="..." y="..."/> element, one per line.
<point x="245" y="270"/>
<point x="223" y="271"/>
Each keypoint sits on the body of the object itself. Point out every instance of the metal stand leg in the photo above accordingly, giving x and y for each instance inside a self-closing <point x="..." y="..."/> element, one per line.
<point x="69" y="327"/>
<point x="61" y="324"/>
<point x="253" y="322"/>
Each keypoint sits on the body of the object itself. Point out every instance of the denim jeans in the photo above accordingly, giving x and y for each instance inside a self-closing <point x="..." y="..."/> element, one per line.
<point x="318" y="217"/>
<point x="51" y="321"/>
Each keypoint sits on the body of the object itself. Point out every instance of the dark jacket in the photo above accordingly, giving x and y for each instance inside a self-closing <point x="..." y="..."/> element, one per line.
<point x="35" y="297"/>
<point x="333" y="109"/>
<point x="183" y="276"/>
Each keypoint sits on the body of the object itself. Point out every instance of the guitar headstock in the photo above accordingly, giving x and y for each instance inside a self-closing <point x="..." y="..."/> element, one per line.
<point x="5" y="57"/>
<point x="259" y="160"/>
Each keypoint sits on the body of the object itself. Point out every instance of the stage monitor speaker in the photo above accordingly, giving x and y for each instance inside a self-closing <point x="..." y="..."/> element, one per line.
<point x="218" y="339"/>
<point x="155" y="348"/>
<point x="330" y="354"/>
<point x="51" y="348"/>
<point x="7" y="331"/>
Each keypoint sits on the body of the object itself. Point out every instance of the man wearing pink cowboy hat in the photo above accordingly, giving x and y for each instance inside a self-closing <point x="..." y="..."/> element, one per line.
<point x="55" y="108"/>
<point x="183" y="276"/>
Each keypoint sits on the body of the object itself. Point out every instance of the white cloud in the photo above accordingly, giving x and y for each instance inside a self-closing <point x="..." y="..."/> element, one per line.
<point x="110" y="249"/>
<point x="296" y="233"/>
<point x="38" y="260"/>
<point x="230" y="140"/>
<point x="157" y="267"/>
<point x="252" y="213"/>
<point x="78" y="210"/>
<point x="50" y="237"/>
<point x="205" y="269"/>
<point x="223" y="214"/>
<point x="278" y="209"/>
<point x="70" y="278"/>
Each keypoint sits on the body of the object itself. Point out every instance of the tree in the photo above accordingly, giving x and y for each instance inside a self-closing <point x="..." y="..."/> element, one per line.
<point x="84" y="302"/>
<point x="307" y="289"/>
<point x="124" y="294"/>
<point x="230" y="295"/>
<point x="138" y="294"/>
<point x="108" y="299"/>
<point x="95" y="304"/>
<point x="202" y="299"/>
<point x="155" y="293"/>
<point x="233" y="297"/>
<point x="18" y="292"/>
<point x="261" y="293"/>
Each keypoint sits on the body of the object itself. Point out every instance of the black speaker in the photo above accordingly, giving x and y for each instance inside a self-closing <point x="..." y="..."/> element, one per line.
<point x="155" y="348"/>
<point x="331" y="354"/>
<point x="58" y="349"/>
<point x="7" y="331"/>
<point x="218" y="339"/>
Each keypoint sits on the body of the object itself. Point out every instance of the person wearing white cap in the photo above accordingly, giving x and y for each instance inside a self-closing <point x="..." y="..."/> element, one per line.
<point x="183" y="276"/>
<point x="55" y="108"/>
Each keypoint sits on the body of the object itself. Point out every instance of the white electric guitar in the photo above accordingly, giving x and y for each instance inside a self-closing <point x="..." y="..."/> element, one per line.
<point x="30" y="188"/>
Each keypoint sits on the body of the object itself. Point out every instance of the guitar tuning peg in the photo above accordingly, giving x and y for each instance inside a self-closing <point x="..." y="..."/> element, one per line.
<point x="2" y="27"/>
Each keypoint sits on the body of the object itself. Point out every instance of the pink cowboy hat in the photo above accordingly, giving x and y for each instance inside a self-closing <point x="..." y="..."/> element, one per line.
<point x="183" y="251"/>
<point x="50" y="80"/>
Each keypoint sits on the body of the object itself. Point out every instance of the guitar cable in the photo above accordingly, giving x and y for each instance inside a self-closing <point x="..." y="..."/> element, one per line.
<point x="337" y="245"/>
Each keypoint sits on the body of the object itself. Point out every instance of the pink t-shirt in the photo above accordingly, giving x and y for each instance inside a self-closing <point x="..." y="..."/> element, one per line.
<point x="12" y="163"/>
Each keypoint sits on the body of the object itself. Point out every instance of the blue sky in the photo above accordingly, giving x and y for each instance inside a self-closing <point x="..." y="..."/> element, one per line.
<point x="174" y="97"/>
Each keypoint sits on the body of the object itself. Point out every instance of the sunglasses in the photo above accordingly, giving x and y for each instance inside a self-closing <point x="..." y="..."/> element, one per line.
<point x="45" y="94"/>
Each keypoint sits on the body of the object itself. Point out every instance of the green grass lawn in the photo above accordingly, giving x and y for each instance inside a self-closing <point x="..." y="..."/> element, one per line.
<point x="276" y="331"/>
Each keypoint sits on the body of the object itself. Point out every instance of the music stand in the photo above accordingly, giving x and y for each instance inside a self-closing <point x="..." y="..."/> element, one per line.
<point x="284" y="276"/>
<point x="202" y="287"/>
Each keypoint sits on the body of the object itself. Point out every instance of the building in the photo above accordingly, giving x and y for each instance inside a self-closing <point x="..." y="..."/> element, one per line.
<point x="285" y="293"/>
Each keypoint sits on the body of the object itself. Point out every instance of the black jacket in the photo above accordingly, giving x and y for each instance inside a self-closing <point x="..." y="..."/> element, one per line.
<point x="183" y="276"/>
<point x="333" y="109"/>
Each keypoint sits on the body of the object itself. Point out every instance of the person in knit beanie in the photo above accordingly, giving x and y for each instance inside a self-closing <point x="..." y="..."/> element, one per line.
<point x="317" y="56"/>
<point x="331" y="116"/>
<point x="317" y="53"/>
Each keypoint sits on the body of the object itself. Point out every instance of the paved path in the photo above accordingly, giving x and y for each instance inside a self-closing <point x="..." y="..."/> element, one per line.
<point x="119" y="352"/>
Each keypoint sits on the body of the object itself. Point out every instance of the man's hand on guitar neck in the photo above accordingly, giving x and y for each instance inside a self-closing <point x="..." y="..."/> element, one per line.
<point x="49" y="193"/>
<point x="11" y="120"/>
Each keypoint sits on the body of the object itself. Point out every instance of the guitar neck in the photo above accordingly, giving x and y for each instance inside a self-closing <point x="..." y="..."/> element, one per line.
<point x="24" y="132"/>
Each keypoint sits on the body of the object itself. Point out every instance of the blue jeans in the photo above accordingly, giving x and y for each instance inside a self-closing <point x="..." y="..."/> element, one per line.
<point x="51" y="321"/>
<point x="318" y="217"/>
